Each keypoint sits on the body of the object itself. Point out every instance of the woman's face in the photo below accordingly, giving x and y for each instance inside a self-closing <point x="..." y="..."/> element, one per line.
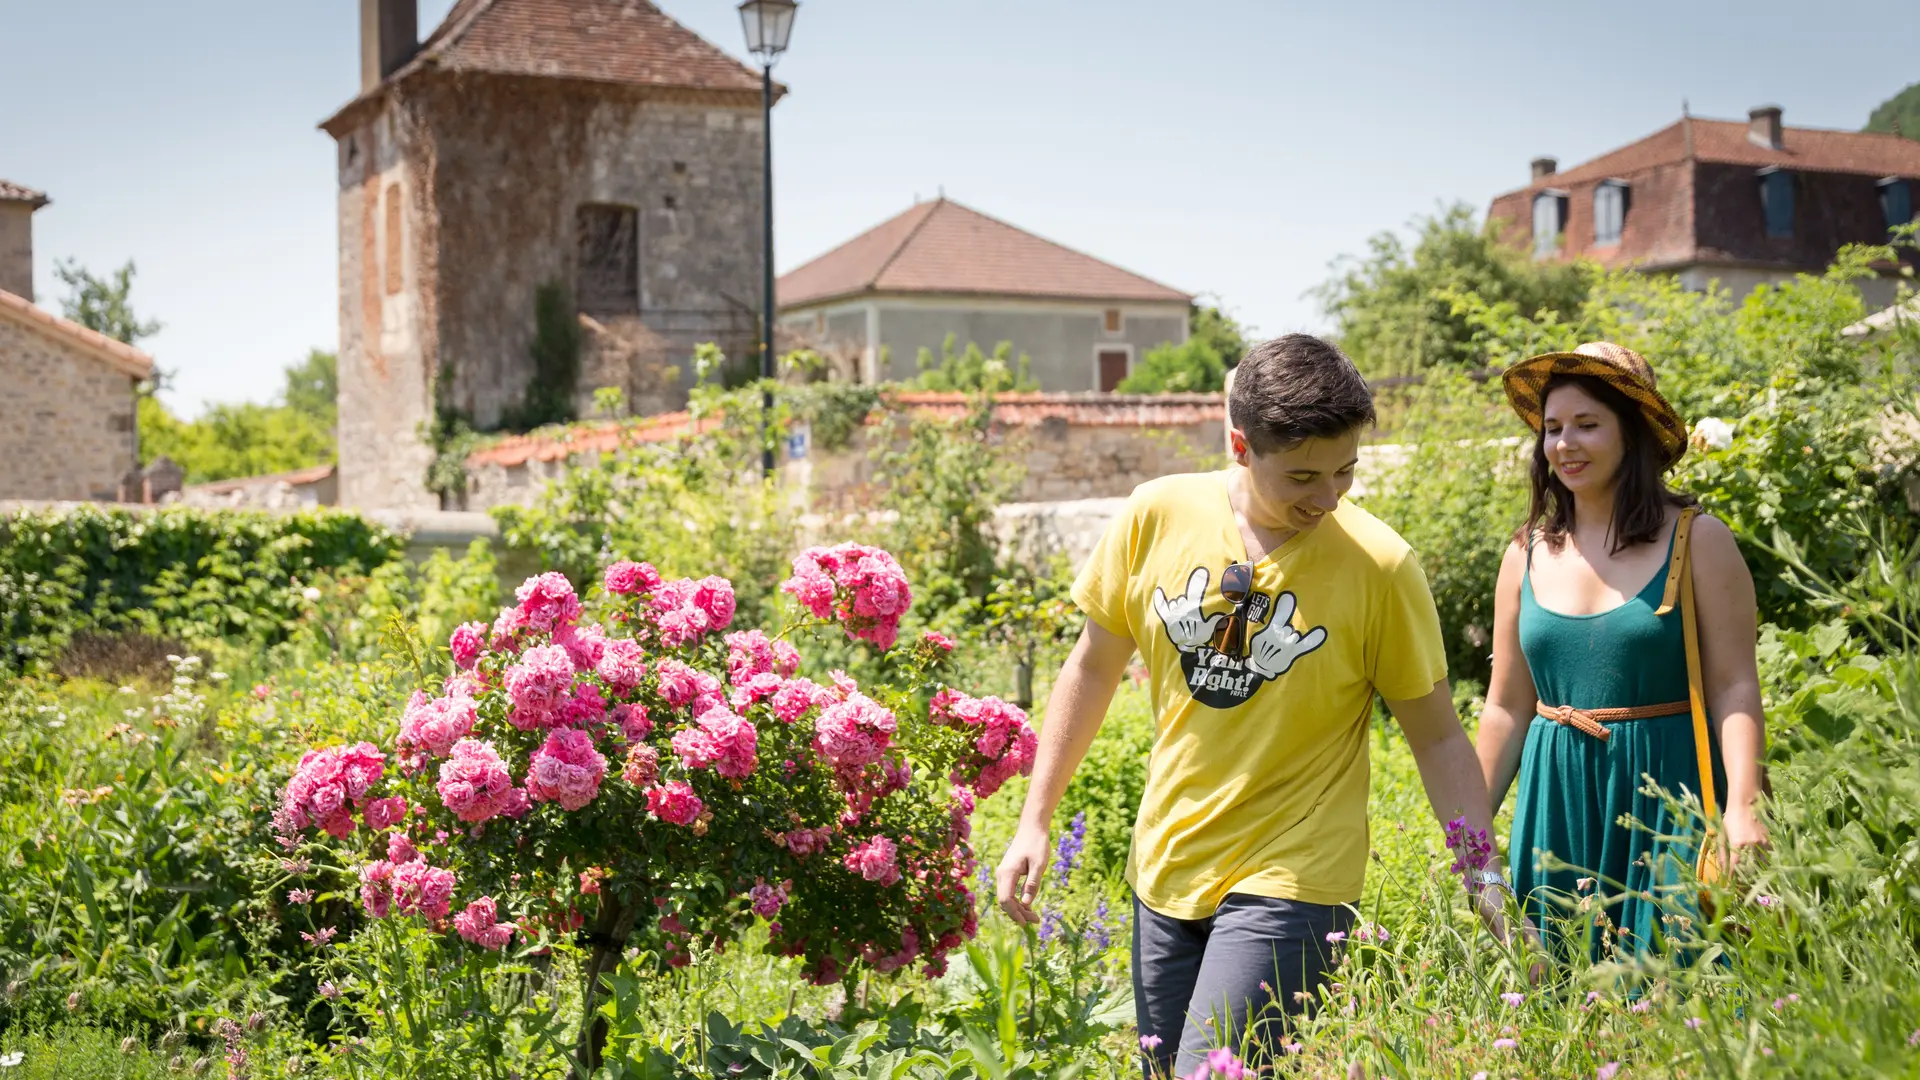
<point x="1582" y="438"/>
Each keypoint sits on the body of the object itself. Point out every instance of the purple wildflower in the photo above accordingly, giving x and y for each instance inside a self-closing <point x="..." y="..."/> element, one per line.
<point x="1072" y="842"/>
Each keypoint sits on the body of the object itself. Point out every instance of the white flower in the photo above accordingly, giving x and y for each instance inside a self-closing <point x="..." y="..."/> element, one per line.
<point x="8" y="1061"/>
<point x="312" y="594"/>
<point x="1713" y="433"/>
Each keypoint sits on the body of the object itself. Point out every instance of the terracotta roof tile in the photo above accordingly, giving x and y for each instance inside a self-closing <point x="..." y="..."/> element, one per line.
<point x="1012" y="410"/>
<point x="616" y="41"/>
<point x="12" y="192"/>
<point x="312" y="474"/>
<point x="116" y="354"/>
<point x="946" y="248"/>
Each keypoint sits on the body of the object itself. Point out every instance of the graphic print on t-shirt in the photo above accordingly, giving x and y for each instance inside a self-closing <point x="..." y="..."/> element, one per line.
<point x="1215" y="678"/>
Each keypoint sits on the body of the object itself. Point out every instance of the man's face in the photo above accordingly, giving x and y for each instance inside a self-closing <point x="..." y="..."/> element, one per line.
<point x="1297" y="487"/>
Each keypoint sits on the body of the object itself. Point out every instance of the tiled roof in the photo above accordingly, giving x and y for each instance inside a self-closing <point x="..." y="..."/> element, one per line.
<point x="12" y="192"/>
<point x="1725" y="142"/>
<point x="1012" y="410"/>
<point x="945" y="248"/>
<point x="625" y="42"/>
<point x="116" y="354"/>
<point x="312" y="474"/>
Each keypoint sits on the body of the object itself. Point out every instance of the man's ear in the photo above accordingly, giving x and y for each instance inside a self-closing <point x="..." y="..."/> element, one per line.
<point x="1237" y="447"/>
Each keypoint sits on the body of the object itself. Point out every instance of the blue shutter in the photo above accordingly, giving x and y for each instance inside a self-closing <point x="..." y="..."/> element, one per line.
<point x="1609" y="212"/>
<point x="1776" y="199"/>
<point x="1896" y="201"/>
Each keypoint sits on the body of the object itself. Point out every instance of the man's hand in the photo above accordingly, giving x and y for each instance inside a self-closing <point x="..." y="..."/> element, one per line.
<point x="1274" y="649"/>
<point x="1017" y="882"/>
<point x="1186" y="626"/>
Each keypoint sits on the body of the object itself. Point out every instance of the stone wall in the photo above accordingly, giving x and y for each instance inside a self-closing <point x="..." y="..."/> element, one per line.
<point x="16" y="248"/>
<point x="66" y="420"/>
<point x="462" y="197"/>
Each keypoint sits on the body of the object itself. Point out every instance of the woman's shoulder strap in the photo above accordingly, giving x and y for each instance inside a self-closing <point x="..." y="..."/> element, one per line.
<point x="1682" y="529"/>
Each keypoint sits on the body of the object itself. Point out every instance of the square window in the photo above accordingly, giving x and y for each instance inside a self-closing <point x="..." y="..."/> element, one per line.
<point x="1113" y="320"/>
<point x="608" y="242"/>
<point x="1609" y="212"/>
<point x="1896" y="201"/>
<point x="1549" y="221"/>
<point x="1776" y="201"/>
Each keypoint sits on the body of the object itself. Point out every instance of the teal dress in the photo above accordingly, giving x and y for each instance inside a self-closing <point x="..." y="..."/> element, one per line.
<point x="1574" y="789"/>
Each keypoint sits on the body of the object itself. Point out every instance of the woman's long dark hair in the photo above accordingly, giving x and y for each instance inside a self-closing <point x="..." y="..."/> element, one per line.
<point x="1640" y="495"/>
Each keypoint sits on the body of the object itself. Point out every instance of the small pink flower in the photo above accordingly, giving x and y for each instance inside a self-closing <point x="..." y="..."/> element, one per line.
<point x="1335" y="937"/>
<point x="547" y="601"/>
<point x="430" y="726"/>
<point x="627" y="578"/>
<point x="1512" y="999"/>
<point x="300" y="896"/>
<point x="875" y="861"/>
<point x="540" y="686"/>
<point x="386" y="813"/>
<point x="1694" y="1022"/>
<point x="642" y="768"/>
<point x="937" y="641"/>
<point x="1149" y="1042"/>
<point x="1766" y="901"/>
<point x="320" y="938"/>
<point x="466" y="643"/>
<point x="620" y="665"/>
<point x="400" y="849"/>
<point x="474" y="783"/>
<point x="1607" y="1072"/>
<point x="714" y="597"/>
<point x="674" y="803"/>
<point x="566" y="770"/>
<point x="479" y="924"/>
<point x="767" y="899"/>
<point x="1504" y="1044"/>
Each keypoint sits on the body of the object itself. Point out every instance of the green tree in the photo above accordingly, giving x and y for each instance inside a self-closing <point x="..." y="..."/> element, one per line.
<point x="972" y="371"/>
<point x="249" y="438"/>
<point x="104" y="304"/>
<point x="1390" y="309"/>
<point x="1899" y="114"/>
<point x="1215" y="342"/>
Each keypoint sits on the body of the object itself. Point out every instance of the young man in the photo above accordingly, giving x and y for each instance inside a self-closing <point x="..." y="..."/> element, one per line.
<point x="1269" y="612"/>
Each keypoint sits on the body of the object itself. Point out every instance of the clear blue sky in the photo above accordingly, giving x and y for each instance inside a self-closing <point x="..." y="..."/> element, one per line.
<point x="1233" y="147"/>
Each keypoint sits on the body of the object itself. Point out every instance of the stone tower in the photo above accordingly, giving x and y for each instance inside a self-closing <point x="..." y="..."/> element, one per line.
<point x="593" y="150"/>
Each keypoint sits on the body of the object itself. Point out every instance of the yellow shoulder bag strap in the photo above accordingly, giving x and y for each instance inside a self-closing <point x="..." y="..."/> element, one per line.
<point x="1680" y="587"/>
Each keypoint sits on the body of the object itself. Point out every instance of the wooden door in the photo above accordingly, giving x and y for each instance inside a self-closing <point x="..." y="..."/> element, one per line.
<point x="1113" y="368"/>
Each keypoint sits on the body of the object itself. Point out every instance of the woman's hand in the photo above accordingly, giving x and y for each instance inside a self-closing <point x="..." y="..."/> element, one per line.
<point x="1746" y="834"/>
<point x="1490" y="903"/>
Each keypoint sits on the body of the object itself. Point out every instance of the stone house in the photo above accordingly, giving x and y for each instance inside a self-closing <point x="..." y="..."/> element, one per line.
<point x="944" y="269"/>
<point x="1740" y="203"/>
<point x="67" y="393"/>
<point x="593" y="147"/>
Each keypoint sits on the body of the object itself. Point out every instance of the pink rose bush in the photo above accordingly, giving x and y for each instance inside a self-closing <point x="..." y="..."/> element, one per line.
<point x="591" y="756"/>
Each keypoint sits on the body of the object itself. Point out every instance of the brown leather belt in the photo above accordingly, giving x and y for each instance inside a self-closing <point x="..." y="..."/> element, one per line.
<point x="1591" y="720"/>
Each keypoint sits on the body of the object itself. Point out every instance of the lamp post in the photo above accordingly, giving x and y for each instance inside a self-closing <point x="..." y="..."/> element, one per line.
<point x="768" y="23"/>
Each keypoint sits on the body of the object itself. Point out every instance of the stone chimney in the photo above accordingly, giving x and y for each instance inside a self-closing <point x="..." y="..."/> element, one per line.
<point x="1544" y="167"/>
<point x="389" y="36"/>
<point x="1763" y="126"/>
<point x="17" y="205"/>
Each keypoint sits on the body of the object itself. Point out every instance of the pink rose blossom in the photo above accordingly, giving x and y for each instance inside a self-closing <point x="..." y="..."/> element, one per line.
<point x="899" y="958"/>
<point x="633" y="721"/>
<point x="585" y="708"/>
<point x="674" y="803"/>
<point x="768" y="898"/>
<point x="676" y="682"/>
<point x="419" y="889"/>
<point x="474" y="783"/>
<point x="804" y="842"/>
<point x="642" y="768"/>
<point x="1005" y="743"/>
<point x="853" y="732"/>
<point x="479" y="924"/>
<point x="794" y="699"/>
<point x="626" y="578"/>
<point x="620" y="665"/>
<point x="326" y="782"/>
<point x="786" y="659"/>
<point x="875" y="861"/>
<point x="861" y="587"/>
<point x="466" y="644"/>
<point x="937" y="641"/>
<point x="400" y="849"/>
<point x="386" y="813"/>
<point x="566" y="770"/>
<point x="431" y="726"/>
<point x="547" y="601"/>
<point x="539" y="685"/>
<point x="584" y="644"/>
<point x="755" y="690"/>
<point x="714" y="597"/>
<point x="376" y="888"/>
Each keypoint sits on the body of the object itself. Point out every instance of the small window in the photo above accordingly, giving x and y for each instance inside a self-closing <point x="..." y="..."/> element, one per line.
<point x="1549" y="220"/>
<point x="608" y="238"/>
<point x="1113" y="320"/>
<point x="396" y="276"/>
<point x="1776" y="199"/>
<point x="1896" y="201"/>
<point x="1609" y="212"/>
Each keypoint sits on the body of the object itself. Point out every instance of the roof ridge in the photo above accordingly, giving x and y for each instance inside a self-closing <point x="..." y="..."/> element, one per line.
<point x="932" y="209"/>
<point x="116" y="354"/>
<point x="435" y="44"/>
<point x="1055" y="243"/>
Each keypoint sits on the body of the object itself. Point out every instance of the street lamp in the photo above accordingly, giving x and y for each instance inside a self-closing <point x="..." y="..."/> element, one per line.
<point x="768" y="24"/>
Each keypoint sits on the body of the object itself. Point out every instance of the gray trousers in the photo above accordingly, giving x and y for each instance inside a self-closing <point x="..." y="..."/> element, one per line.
<point x="1239" y="968"/>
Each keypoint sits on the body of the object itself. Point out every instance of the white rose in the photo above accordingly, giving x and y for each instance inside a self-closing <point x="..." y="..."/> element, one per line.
<point x="312" y="594"/>
<point x="1713" y="433"/>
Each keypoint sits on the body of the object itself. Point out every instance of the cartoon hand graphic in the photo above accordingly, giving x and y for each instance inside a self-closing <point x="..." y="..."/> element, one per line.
<point x="1274" y="649"/>
<point x="1187" y="628"/>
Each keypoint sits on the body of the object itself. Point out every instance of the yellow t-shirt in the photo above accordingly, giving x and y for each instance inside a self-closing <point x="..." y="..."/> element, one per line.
<point x="1257" y="782"/>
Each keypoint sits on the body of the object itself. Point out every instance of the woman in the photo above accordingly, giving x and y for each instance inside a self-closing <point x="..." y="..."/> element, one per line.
<point x="1589" y="688"/>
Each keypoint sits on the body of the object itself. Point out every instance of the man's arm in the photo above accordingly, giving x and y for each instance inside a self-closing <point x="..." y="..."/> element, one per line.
<point x="1075" y="711"/>
<point x="1451" y="773"/>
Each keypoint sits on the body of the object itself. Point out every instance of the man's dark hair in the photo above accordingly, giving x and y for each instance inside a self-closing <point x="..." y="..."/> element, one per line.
<point x="1640" y="493"/>
<point x="1294" y="388"/>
